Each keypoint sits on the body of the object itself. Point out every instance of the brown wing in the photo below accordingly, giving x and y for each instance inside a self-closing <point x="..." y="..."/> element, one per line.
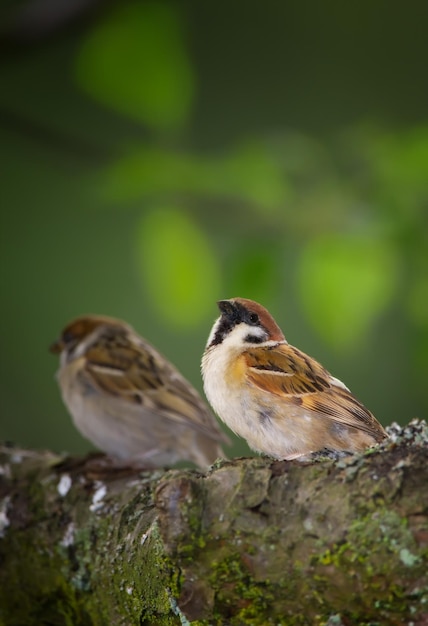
<point x="131" y="371"/>
<point x="119" y="369"/>
<point x="287" y="372"/>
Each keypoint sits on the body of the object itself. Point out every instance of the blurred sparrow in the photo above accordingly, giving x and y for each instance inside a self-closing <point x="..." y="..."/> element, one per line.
<point x="129" y="401"/>
<point x="283" y="402"/>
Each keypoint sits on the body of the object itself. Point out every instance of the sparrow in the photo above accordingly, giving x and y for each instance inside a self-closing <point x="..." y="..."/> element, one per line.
<point x="129" y="400"/>
<point x="283" y="402"/>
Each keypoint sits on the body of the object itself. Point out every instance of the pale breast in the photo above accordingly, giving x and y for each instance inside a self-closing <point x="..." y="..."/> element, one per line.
<point x="222" y="385"/>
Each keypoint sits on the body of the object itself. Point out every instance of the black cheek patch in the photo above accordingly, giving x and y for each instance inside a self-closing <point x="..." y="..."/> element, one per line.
<point x="254" y="339"/>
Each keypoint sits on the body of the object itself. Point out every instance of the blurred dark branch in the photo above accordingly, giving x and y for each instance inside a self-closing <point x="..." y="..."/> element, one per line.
<point x="55" y="140"/>
<point x="38" y="19"/>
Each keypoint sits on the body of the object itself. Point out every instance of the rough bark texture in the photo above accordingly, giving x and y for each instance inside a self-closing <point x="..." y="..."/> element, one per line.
<point x="252" y="541"/>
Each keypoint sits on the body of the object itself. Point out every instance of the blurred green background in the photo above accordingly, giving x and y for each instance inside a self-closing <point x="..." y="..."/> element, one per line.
<point x="157" y="156"/>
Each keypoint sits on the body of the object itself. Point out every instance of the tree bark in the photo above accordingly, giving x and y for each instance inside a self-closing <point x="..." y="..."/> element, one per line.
<point x="252" y="541"/>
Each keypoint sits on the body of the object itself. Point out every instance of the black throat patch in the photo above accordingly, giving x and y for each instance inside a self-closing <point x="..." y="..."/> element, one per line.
<point x="222" y="331"/>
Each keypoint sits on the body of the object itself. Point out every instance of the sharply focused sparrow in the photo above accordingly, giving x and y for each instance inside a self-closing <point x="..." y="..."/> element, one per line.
<point x="128" y="400"/>
<point x="283" y="402"/>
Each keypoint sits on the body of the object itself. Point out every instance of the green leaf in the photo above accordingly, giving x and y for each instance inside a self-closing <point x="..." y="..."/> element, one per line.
<point x="135" y="62"/>
<point x="177" y="266"/>
<point x="345" y="282"/>
<point x="246" y="174"/>
<point x="401" y="159"/>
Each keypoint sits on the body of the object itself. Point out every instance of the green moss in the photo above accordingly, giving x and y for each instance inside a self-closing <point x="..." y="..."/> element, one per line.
<point x="231" y="579"/>
<point x="92" y="575"/>
<point x="38" y="590"/>
<point x="353" y="576"/>
<point x="138" y="580"/>
<point x="367" y="562"/>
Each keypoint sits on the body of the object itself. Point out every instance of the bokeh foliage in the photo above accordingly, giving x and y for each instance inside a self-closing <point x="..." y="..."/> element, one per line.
<point x="327" y="229"/>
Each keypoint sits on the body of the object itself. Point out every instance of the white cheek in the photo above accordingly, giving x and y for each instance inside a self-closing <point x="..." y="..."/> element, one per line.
<point x="67" y="357"/>
<point x="236" y="341"/>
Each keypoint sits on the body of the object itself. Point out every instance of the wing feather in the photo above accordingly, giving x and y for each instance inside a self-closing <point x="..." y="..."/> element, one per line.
<point x="290" y="374"/>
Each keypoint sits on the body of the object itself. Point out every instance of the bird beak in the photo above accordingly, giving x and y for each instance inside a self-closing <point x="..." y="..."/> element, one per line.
<point x="56" y="347"/>
<point x="226" y="307"/>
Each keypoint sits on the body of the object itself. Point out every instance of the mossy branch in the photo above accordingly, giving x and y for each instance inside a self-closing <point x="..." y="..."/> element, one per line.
<point x="252" y="541"/>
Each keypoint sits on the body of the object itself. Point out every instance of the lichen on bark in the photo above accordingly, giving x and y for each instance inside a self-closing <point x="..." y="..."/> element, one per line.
<point x="252" y="541"/>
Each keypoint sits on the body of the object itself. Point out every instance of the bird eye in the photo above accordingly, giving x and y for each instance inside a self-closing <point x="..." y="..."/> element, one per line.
<point x="254" y="318"/>
<point x="68" y="336"/>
